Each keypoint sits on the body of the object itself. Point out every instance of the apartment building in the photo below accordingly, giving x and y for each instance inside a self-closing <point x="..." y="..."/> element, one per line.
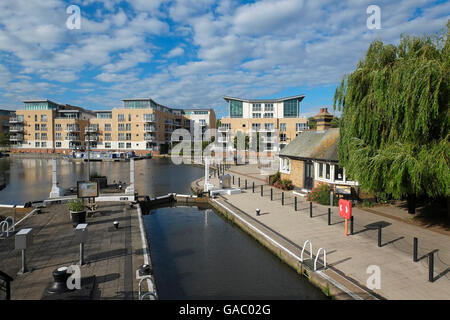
<point x="203" y="118"/>
<point x="141" y="125"/>
<point x="4" y="120"/>
<point x="265" y="116"/>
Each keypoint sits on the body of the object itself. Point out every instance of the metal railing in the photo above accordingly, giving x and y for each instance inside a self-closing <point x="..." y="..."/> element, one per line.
<point x="148" y="293"/>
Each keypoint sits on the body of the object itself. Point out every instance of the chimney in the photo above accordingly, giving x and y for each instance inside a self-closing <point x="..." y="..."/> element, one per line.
<point x="323" y="119"/>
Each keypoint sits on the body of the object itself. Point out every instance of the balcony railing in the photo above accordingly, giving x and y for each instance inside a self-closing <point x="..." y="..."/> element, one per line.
<point x="73" y="138"/>
<point x="224" y="129"/>
<point x="149" y="138"/>
<point x="73" y="129"/>
<point x="16" y="137"/>
<point x="15" y="120"/>
<point x="91" y="129"/>
<point x="16" y="129"/>
<point x="149" y="128"/>
<point x="151" y="118"/>
<point x="91" y="138"/>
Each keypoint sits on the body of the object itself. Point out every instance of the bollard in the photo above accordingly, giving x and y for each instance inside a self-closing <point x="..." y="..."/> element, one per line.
<point x="233" y="180"/>
<point x="245" y="184"/>
<point x="282" y="198"/>
<point x="415" y="249"/>
<point x="379" y="236"/>
<point x="257" y="212"/>
<point x="253" y="187"/>
<point x="271" y="194"/>
<point x="431" y="266"/>
<point x="239" y="182"/>
<point x="351" y="225"/>
<point x="310" y="209"/>
<point x="329" y="216"/>
<point x="295" y="203"/>
<point x="262" y="191"/>
<point x="59" y="284"/>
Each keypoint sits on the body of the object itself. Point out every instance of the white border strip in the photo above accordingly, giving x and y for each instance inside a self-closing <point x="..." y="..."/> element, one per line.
<point x="337" y="284"/>
<point x="144" y="248"/>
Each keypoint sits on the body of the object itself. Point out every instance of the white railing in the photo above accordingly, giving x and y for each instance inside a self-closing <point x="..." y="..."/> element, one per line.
<point x="324" y="259"/>
<point x="303" y="249"/>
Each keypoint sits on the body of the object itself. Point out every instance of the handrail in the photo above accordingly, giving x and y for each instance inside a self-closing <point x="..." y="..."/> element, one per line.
<point x="324" y="258"/>
<point x="12" y="222"/>
<point x="303" y="249"/>
<point x="2" y="225"/>
<point x="142" y="296"/>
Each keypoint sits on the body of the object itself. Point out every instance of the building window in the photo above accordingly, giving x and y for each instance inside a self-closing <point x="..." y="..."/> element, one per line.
<point x="282" y="126"/>
<point x="121" y="145"/>
<point x="236" y="109"/>
<point x="128" y="127"/>
<point x="290" y="108"/>
<point x="121" y="127"/>
<point x="107" y="136"/>
<point x="256" y="115"/>
<point x="283" y="137"/>
<point x="129" y="117"/>
<point x="107" y="145"/>
<point x="121" y="136"/>
<point x="58" y="136"/>
<point x="37" y="144"/>
<point x="107" y="126"/>
<point x="35" y="117"/>
<point x="128" y="145"/>
<point x="121" y="117"/>
<point x="256" y="126"/>
<point x="285" y="165"/>
<point x="256" y="107"/>
<point x="268" y="107"/>
<point x="300" y="126"/>
<point x="36" y="126"/>
<point x="268" y="126"/>
<point x="338" y="173"/>
<point x="44" y="136"/>
<point x="268" y="115"/>
<point x="128" y="136"/>
<point x="43" y="117"/>
<point x="58" y="127"/>
<point x="58" y="144"/>
<point x="36" y="136"/>
<point x="320" y="170"/>
<point x="43" y="127"/>
<point x="44" y="144"/>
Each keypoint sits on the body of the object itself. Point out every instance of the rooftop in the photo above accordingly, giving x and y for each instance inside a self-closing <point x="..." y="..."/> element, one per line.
<point x="299" y="97"/>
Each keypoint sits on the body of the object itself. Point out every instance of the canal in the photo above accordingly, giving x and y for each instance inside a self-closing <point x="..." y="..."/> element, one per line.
<point x="195" y="252"/>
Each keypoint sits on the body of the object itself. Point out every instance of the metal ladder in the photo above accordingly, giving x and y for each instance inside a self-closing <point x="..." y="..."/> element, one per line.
<point x="317" y="255"/>
<point x="5" y="223"/>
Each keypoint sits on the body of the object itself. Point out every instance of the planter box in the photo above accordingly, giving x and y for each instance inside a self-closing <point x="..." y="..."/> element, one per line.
<point x="78" y="217"/>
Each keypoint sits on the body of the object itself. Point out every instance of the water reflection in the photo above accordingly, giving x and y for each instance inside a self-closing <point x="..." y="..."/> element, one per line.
<point x="30" y="179"/>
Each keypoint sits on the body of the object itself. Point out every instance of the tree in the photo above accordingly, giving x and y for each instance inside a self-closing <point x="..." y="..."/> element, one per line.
<point x="334" y="123"/>
<point x="218" y="123"/>
<point x="311" y="123"/>
<point x="394" y="127"/>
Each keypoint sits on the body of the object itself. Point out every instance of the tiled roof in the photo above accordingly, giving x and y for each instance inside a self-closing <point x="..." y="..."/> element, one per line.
<point x="317" y="145"/>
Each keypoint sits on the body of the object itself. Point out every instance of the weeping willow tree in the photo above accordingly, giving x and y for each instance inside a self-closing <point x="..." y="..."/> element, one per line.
<point x="394" y="129"/>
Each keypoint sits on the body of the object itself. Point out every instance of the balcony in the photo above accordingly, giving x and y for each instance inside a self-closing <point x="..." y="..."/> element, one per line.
<point x="91" y="138"/>
<point x="268" y="139"/>
<point x="149" y="118"/>
<point x="91" y="129"/>
<point x="73" y="129"/>
<point x="16" y="129"/>
<point x="149" y="138"/>
<point x="16" y="137"/>
<point x="149" y="129"/>
<point x="224" y="129"/>
<point x="16" y="120"/>
<point x="267" y="130"/>
<point x="223" y="139"/>
<point x="72" y="137"/>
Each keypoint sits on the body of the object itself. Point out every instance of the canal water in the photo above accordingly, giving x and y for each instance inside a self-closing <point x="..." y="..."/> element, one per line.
<point x="195" y="252"/>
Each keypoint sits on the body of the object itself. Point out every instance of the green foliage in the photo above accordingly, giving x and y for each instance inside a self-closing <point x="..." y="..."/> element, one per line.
<point x="320" y="194"/>
<point x="394" y="128"/>
<point x="4" y="139"/>
<point x="76" y="205"/>
<point x="311" y="123"/>
<point x="274" y="178"/>
<point x="334" y="123"/>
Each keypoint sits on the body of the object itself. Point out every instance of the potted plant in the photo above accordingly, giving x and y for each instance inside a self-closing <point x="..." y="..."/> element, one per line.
<point x="77" y="211"/>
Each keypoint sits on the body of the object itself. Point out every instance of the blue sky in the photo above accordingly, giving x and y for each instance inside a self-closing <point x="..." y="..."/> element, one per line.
<point x="190" y="53"/>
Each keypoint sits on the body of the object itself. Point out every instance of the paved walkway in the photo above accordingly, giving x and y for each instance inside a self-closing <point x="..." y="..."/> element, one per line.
<point x="401" y="278"/>
<point x="111" y="255"/>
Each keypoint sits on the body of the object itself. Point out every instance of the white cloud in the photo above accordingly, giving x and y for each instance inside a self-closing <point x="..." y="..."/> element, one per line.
<point x="175" y="52"/>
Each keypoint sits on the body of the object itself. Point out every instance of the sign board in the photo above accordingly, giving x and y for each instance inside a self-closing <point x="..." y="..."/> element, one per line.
<point x="87" y="189"/>
<point x="345" y="208"/>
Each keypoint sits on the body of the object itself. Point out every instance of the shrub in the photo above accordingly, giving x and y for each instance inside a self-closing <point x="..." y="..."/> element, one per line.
<point x="286" y="184"/>
<point x="76" y="205"/>
<point x="320" y="194"/>
<point x="275" y="178"/>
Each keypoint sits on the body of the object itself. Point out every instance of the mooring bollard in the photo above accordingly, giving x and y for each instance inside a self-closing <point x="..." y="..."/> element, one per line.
<point x="257" y="212"/>
<point x="351" y="225"/>
<point x="239" y="182"/>
<point x="282" y="198"/>
<point x="379" y="236"/>
<point x="262" y="194"/>
<point x="245" y="184"/>
<point x="415" y="249"/>
<point x="310" y="209"/>
<point x="271" y="194"/>
<point x="233" y="179"/>
<point x="295" y="203"/>
<point x="431" y="266"/>
<point x="253" y="187"/>
<point x="329" y="216"/>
